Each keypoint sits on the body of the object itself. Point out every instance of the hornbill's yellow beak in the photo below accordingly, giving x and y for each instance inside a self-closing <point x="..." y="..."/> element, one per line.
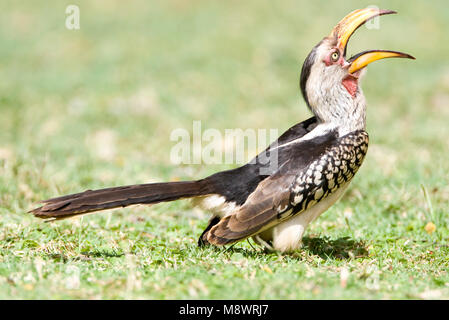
<point x="347" y="26"/>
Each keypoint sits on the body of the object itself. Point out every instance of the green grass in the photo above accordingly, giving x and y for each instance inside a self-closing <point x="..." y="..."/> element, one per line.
<point x="137" y="70"/>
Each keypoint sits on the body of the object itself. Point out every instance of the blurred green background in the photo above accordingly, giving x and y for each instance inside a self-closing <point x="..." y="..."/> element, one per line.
<point x="94" y="107"/>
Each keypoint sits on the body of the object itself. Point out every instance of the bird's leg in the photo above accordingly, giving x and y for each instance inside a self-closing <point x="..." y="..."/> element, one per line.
<point x="263" y="243"/>
<point x="249" y="242"/>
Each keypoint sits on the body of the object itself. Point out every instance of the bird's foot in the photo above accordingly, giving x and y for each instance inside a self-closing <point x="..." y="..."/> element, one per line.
<point x="267" y="246"/>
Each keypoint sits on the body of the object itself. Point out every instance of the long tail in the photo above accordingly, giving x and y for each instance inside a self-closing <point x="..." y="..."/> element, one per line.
<point x="95" y="200"/>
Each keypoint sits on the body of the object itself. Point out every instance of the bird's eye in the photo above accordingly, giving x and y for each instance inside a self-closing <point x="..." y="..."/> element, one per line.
<point x="335" y="55"/>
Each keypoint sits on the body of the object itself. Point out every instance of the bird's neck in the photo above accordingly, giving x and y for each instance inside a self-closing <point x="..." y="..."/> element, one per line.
<point x="346" y="115"/>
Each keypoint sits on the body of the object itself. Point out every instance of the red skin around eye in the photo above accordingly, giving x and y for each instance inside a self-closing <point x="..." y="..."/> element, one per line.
<point x="328" y="61"/>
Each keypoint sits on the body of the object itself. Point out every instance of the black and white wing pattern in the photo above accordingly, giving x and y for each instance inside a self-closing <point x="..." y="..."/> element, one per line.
<point x="309" y="171"/>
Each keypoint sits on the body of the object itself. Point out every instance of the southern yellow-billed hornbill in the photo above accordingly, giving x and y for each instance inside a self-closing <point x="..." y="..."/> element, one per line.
<point x="316" y="159"/>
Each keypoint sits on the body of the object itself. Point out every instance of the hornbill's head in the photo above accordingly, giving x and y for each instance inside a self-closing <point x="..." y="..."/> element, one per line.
<point x="330" y="82"/>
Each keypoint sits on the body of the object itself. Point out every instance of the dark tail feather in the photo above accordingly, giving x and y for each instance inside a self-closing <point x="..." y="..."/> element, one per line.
<point x="95" y="200"/>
